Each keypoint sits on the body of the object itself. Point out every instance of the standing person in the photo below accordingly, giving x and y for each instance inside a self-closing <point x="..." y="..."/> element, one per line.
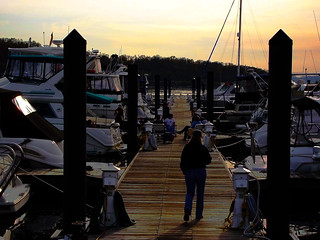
<point x="119" y="114"/>
<point x="165" y="110"/>
<point x="194" y="158"/>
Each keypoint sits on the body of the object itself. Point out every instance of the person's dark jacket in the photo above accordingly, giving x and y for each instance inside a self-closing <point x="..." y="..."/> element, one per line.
<point x="194" y="155"/>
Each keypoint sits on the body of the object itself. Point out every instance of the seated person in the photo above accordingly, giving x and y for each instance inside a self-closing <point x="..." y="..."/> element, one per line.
<point x="195" y="121"/>
<point x="170" y="123"/>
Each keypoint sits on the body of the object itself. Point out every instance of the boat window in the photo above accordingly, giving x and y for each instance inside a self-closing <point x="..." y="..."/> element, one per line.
<point x="117" y="84"/>
<point x="14" y="68"/>
<point x="109" y="84"/>
<point x="26" y="70"/>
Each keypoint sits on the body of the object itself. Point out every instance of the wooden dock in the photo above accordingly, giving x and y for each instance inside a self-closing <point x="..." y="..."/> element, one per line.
<point x="153" y="190"/>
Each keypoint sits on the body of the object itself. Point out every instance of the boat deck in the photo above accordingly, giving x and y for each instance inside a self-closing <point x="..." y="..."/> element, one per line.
<point x="153" y="191"/>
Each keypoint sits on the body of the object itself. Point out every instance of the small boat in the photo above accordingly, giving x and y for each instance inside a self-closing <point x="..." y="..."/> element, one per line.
<point x="13" y="193"/>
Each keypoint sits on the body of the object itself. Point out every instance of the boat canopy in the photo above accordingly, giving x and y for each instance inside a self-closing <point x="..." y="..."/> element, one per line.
<point x="39" y="51"/>
<point x="33" y="65"/>
<point x="98" y="99"/>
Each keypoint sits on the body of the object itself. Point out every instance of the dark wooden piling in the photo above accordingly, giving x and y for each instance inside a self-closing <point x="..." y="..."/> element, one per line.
<point x="165" y="90"/>
<point x="193" y="85"/>
<point x="157" y="93"/>
<point x="74" y="132"/>
<point x="198" y="92"/>
<point x="278" y="173"/>
<point x="132" y="110"/>
<point x="210" y="78"/>
<point x="169" y="87"/>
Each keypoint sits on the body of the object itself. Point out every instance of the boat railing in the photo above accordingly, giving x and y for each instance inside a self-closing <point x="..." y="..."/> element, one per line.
<point x="7" y="150"/>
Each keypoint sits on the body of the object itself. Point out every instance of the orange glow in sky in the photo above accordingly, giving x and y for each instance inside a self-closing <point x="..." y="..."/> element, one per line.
<point x="181" y="28"/>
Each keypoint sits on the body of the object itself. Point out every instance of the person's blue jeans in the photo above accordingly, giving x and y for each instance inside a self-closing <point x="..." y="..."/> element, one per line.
<point x="195" y="179"/>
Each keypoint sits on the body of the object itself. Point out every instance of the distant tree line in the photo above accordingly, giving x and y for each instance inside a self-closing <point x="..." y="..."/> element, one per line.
<point x="179" y="70"/>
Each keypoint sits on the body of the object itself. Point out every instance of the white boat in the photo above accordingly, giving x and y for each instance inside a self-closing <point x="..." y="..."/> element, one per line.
<point x="13" y="193"/>
<point x="111" y="84"/>
<point x="304" y="160"/>
<point x="305" y="137"/>
<point x="250" y="94"/>
<point x="37" y="72"/>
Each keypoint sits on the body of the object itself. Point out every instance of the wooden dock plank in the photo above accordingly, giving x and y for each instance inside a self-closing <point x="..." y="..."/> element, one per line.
<point x="153" y="191"/>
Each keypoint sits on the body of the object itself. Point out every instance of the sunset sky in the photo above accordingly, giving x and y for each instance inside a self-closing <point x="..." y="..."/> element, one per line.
<point x="181" y="28"/>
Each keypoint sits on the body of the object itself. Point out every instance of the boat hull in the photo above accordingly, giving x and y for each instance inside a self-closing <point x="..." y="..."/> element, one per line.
<point x="14" y="198"/>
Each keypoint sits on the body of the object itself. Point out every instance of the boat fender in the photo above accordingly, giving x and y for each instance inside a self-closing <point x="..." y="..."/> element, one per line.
<point x="244" y="211"/>
<point x="252" y="206"/>
<point x="122" y="216"/>
<point x="152" y="142"/>
<point x="228" y="220"/>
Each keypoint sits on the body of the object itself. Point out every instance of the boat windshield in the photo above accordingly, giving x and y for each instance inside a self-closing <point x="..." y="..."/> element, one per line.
<point x="305" y="125"/>
<point x="32" y="69"/>
<point x="104" y="83"/>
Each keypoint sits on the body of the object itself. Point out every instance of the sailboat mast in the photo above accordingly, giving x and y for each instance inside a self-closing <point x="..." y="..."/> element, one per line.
<point x="239" y="38"/>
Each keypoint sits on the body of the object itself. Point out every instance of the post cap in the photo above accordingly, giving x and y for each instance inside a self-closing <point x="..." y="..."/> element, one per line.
<point x="241" y="170"/>
<point x="111" y="168"/>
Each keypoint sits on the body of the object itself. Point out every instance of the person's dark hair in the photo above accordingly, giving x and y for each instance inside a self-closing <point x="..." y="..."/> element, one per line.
<point x="196" y="137"/>
<point x="197" y="118"/>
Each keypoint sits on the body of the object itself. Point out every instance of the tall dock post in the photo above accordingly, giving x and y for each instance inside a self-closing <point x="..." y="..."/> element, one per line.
<point x="198" y="92"/>
<point x="132" y="110"/>
<point x="169" y="87"/>
<point x="165" y="89"/>
<point x="193" y="86"/>
<point x="210" y="79"/>
<point x="74" y="133"/>
<point x="278" y="171"/>
<point x="157" y="93"/>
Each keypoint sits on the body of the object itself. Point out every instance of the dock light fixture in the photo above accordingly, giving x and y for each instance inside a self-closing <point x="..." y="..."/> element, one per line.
<point x="110" y="181"/>
<point x="240" y="177"/>
<point x="148" y="126"/>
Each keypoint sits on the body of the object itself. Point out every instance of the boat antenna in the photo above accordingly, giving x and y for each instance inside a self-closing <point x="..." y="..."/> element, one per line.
<point x="44" y="38"/>
<point x="216" y="42"/>
<point x="315" y="19"/>
<point x="239" y="38"/>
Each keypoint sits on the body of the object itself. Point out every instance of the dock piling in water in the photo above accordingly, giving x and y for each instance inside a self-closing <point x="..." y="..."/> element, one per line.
<point x="210" y="79"/>
<point x="157" y="93"/>
<point x="198" y="92"/>
<point x="165" y="89"/>
<point x="74" y="133"/>
<point x="278" y="171"/>
<point x="132" y="110"/>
